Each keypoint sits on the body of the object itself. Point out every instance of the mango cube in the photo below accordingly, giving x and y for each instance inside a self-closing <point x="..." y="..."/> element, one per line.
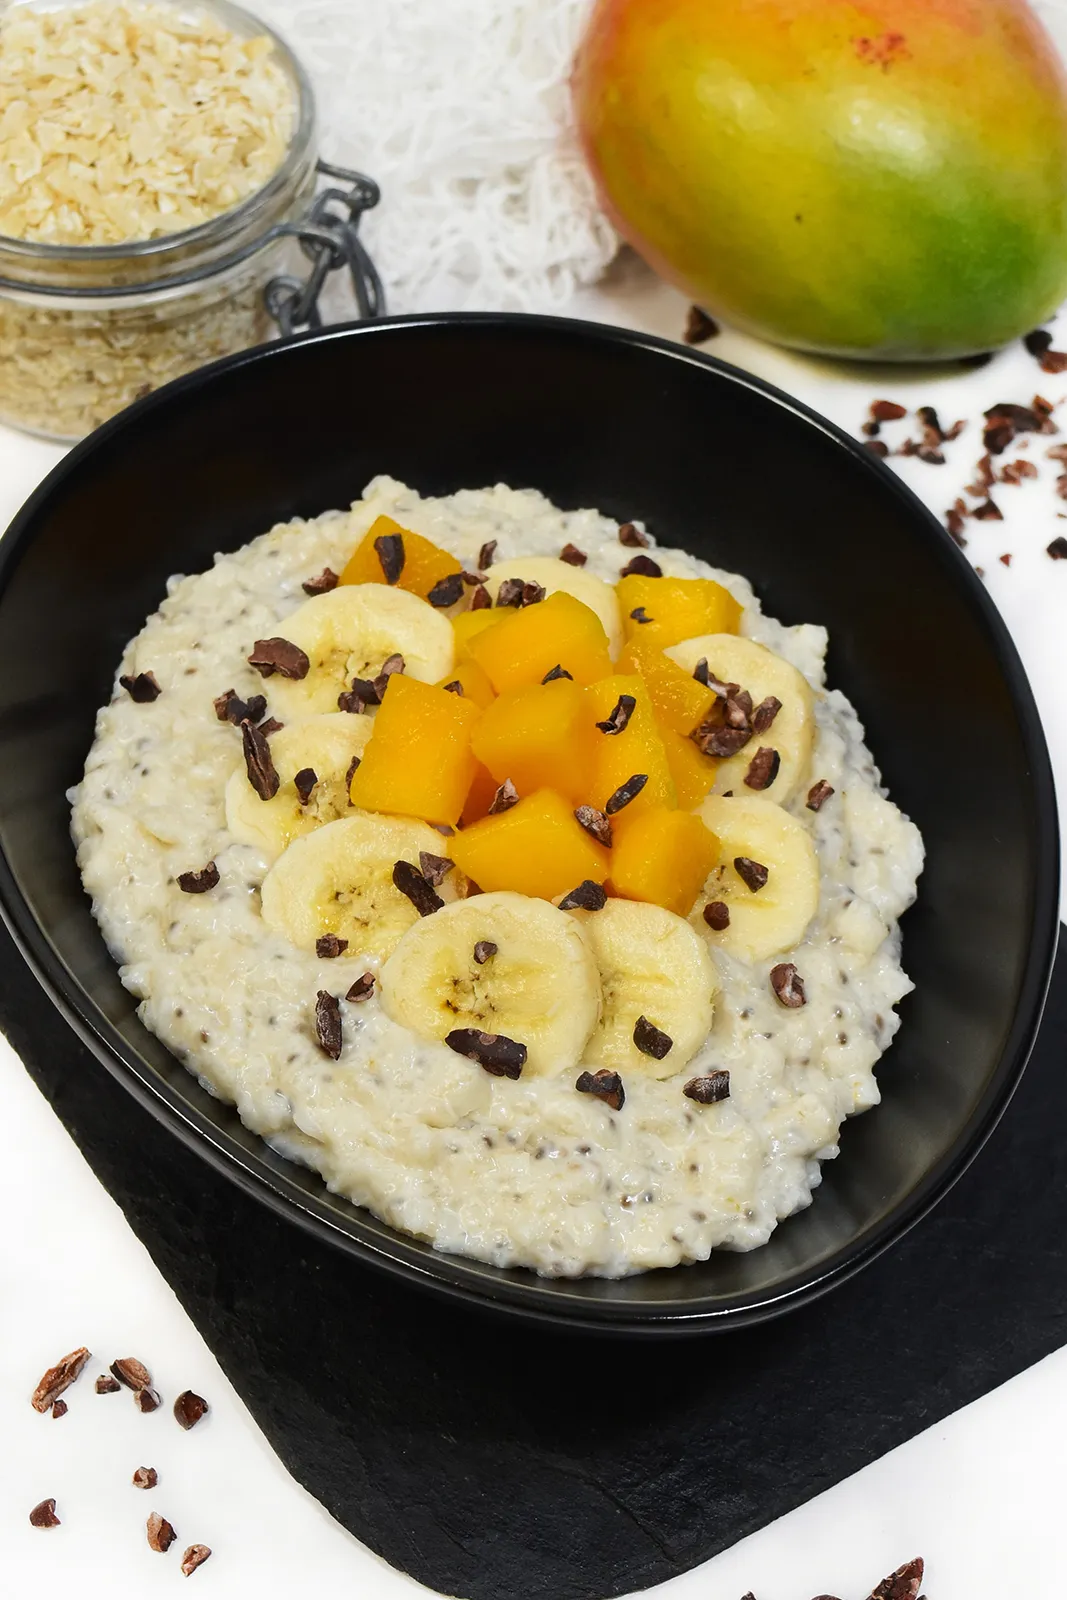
<point x="425" y="563"/>
<point x="473" y="681"/>
<point x="677" y="608"/>
<point x="663" y="857"/>
<point x="679" y="701"/>
<point x="692" y="771"/>
<point x="558" y="631"/>
<point x="467" y="624"/>
<point x="535" y="848"/>
<point x="539" y="738"/>
<point x="617" y="757"/>
<point x="418" y="761"/>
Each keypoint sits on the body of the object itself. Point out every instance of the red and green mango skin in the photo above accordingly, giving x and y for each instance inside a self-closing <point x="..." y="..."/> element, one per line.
<point x="868" y="178"/>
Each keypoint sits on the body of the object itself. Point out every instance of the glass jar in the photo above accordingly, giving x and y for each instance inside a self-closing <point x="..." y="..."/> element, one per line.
<point x="86" y="329"/>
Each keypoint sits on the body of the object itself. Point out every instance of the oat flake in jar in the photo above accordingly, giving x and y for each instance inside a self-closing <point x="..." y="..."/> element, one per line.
<point x="157" y="165"/>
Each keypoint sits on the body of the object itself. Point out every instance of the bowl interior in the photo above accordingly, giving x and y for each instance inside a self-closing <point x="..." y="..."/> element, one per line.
<point x="711" y="460"/>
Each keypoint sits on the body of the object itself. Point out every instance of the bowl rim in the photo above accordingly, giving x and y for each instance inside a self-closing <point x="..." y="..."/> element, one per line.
<point x="471" y="1282"/>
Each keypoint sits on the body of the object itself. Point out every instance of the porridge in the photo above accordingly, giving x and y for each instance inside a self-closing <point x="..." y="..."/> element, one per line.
<point x="520" y="877"/>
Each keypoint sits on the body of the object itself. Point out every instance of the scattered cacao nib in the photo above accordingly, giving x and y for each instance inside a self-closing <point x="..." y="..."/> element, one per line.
<point x="145" y="1478"/>
<point x="279" y="655"/>
<point x="980" y="571"/>
<point x="1054" y="361"/>
<point x="715" y="740"/>
<point x="596" y="824"/>
<point x="954" y="524"/>
<point x="353" y="767"/>
<point x="499" y="1055"/>
<point x="573" y="556"/>
<point x="194" y="1557"/>
<point x="59" y="1409"/>
<point x="1016" y="471"/>
<point x="1038" y="341"/>
<point x="362" y="989"/>
<point x="455" y="687"/>
<point x="641" y="566"/>
<point x="510" y="592"/>
<point x="107" y="1385"/>
<point x="1057" y="452"/>
<point x="362" y="694"/>
<point x="532" y="593"/>
<point x="481" y="599"/>
<point x="818" y="795"/>
<point x="997" y="435"/>
<point x="435" y="869"/>
<point x="131" y="1372"/>
<point x="632" y="536"/>
<point x="903" y="1584"/>
<point x="931" y="455"/>
<point x="717" y="915"/>
<point x="620" y="714"/>
<point x="877" y="448"/>
<point x="43" y="1515"/>
<point x="304" y="784"/>
<point x="472" y="579"/>
<point x="447" y="591"/>
<point x="1043" y="410"/>
<point x="557" y="672"/>
<point x="146" y="1400"/>
<point x="763" y="768"/>
<point x="389" y="548"/>
<point x="929" y="419"/>
<point x="984" y="477"/>
<point x="1058" y="548"/>
<point x="588" y="896"/>
<point x="58" y="1379"/>
<point x="328" y="946"/>
<point x="765" y="713"/>
<point x="1005" y="559"/>
<point x="506" y="797"/>
<point x="410" y="881"/>
<point x="699" y="327"/>
<point x="269" y="728"/>
<point x="607" y="1086"/>
<point x="625" y="793"/>
<point x="652" y="1041"/>
<point x="988" y="511"/>
<point x="326" y="580"/>
<point x="871" y="429"/>
<point x="259" y="763"/>
<point x="484" y="950"/>
<point x="160" y="1533"/>
<point x="390" y="667"/>
<point x="956" y="429"/>
<point x="887" y="411"/>
<point x="328" y="1024"/>
<point x="486" y="555"/>
<point x="752" y="873"/>
<point x="639" y="614"/>
<point x="144" y="688"/>
<point x="229" y="707"/>
<point x="189" y="1408"/>
<point x="737" y="708"/>
<point x="788" y="985"/>
<point x="1005" y="420"/>
<point x="199" y="882"/>
<point x="708" y="1090"/>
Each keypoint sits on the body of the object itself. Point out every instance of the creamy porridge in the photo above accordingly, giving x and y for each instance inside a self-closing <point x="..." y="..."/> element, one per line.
<point x="665" y="1071"/>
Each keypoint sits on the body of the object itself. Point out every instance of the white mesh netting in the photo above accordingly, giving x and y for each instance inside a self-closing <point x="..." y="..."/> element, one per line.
<point x="460" y="110"/>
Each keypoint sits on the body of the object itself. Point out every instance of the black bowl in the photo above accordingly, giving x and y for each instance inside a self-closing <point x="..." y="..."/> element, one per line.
<point x="712" y="460"/>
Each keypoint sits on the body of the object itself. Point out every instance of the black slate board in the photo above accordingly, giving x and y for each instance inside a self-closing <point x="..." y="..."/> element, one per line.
<point x="497" y="1463"/>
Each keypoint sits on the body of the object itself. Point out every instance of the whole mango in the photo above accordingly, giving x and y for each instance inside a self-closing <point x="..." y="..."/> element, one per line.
<point x="867" y="178"/>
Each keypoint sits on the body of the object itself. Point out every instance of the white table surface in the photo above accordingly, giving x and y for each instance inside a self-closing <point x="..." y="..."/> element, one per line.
<point x="980" y="1496"/>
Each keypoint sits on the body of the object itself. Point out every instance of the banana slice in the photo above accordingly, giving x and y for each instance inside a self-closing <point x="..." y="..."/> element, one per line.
<point x="348" y="633"/>
<point x="327" y="745"/>
<point x="537" y="985"/>
<point x="555" y="575"/>
<point x="339" y="880"/>
<point x="757" y="669"/>
<point x="769" y="920"/>
<point x="652" y="965"/>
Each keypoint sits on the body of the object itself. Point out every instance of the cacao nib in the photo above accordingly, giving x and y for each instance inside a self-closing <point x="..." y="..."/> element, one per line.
<point x="486" y="554"/>
<point x="279" y="655"/>
<point x="605" y="1085"/>
<point x="595" y="824"/>
<point x="588" y="896"/>
<point x="788" y="985"/>
<point x="229" y="707"/>
<point x="189" y="1408"/>
<point x="362" y="989"/>
<point x="259" y="763"/>
<point x="763" y="768"/>
<point x="146" y="1399"/>
<point x="328" y="946"/>
<point x="699" y="327"/>
<point x="199" y="882"/>
<point x="1058" y="548"/>
<point x="506" y="797"/>
<point x="650" y="1040"/>
<point x="144" y="688"/>
<point x="499" y="1055"/>
<point x="887" y="411"/>
<point x="160" y="1533"/>
<point x="58" y="1379"/>
<point x="194" y="1557"/>
<point x="43" y="1515"/>
<point x="131" y="1372"/>
<point x="389" y="548"/>
<point x="818" y="795"/>
<point x="107" y="1385"/>
<point x="410" y="881"/>
<point x="641" y="566"/>
<point x="708" y="1090"/>
<point x="304" y="784"/>
<point x="481" y="599"/>
<point x="620" y="715"/>
<point x="752" y="873"/>
<point x="145" y="1478"/>
<point x="59" y="1409"/>
<point x="625" y="793"/>
<point x="435" y="869"/>
<point x="328" y="1024"/>
<point x="510" y="592"/>
<point x="484" y="950"/>
<point x="717" y="915"/>
<point x="632" y="536"/>
<point x="326" y="580"/>
<point x="557" y="672"/>
<point x="988" y="511"/>
<point x="573" y="556"/>
<point x="765" y="713"/>
<point x="447" y="591"/>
